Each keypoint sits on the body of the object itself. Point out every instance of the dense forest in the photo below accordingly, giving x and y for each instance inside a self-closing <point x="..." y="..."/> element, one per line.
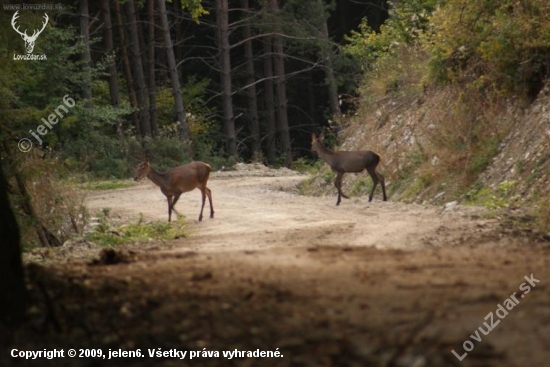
<point x="184" y="79"/>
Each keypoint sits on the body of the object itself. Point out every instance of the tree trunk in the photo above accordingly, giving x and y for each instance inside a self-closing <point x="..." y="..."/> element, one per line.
<point x="327" y="61"/>
<point x="151" y="65"/>
<point x="176" y="90"/>
<point x="178" y="15"/>
<point x="86" y="56"/>
<point x="251" y="90"/>
<point x="13" y="293"/>
<point x="311" y="99"/>
<point x="126" y="67"/>
<point x="279" y="66"/>
<point x="137" y="70"/>
<point x="109" y="50"/>
<point x="269" y="103"/>
<point x="222" y="13"/>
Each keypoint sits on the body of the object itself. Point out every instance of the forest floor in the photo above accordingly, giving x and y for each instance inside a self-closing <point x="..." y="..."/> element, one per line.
<point x="361" y="284"/>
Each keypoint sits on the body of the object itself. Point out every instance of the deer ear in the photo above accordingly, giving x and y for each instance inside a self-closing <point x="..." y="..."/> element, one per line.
<point x="322" y="136"/>
<point x="313" y="137"/>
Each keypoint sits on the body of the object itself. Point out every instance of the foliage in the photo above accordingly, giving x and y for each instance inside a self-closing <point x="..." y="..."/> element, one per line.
<point x="105" y="185"/>
<point x="328" y="176"/>
<point x="59" y="207"/>
<point x="206" y="136"/>
<point x="414" y="188"/>
<point x="361" y="186"/>
<point x="195" y="8"/>
<point x="108" y="235"/>
<point x="198" y="113"/>
<point x="303" y="165"/>
<point x="493" y="199"/>
<point x="407" y="21"/>
<point x="498" y="46"/>
<point x="392" y="59"/>
<point x="164" y="152"/>
<point x="101" y="155"/>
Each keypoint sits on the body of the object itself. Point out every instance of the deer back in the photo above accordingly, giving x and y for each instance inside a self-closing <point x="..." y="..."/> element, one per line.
<point x="189" y="176"/>
<point x="353" y="161"/>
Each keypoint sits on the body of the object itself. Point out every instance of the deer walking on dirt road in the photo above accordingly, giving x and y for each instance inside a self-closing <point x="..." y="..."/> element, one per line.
<point x="342" y="162"/>
<point x="176" y="181"/>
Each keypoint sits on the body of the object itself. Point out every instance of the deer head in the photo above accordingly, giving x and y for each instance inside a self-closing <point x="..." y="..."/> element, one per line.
<point x="29" y="40"/>
<point x="316" y="142"/>
<point x="142" y="170"/>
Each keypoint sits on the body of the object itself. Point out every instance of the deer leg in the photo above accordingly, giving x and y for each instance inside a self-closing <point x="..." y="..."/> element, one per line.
<point x="203" y="192"/>
<point x="176" y="198"/>
<point x="372" y="172"/>
<point x="383" y="184"/>
<point x="209" y="193"/>
<point x="338" y="184"/>
<point x="169" y="199"/>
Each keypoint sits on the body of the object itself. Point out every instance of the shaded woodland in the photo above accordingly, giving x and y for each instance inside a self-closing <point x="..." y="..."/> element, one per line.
<point x="245" y="80"/>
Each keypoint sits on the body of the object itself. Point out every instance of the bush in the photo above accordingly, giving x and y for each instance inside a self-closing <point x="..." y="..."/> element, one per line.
<point x="60" y="208"/>
<point x="163" y="152"/>
<point x="108" y="235"/>
<point x="393" y="59"/>
<point x="498" y="46"/>
<point x="101" y="155"/>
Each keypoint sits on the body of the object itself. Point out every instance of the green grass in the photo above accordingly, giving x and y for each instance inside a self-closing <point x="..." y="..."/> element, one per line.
<point x="328" y="176"/>
<point x="106" y="185"/>
<point x="482" y="158"/>
<point x="106" y="235"/>
<point x="414" y="188"/>
<point x="492" y="199"/>
<point x="304" y="165"/>
<point x="361" y="186"/>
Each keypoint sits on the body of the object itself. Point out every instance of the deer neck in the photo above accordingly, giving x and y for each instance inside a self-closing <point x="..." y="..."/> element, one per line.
<point x="159" y="178"/>
<point x="326" y="154"/>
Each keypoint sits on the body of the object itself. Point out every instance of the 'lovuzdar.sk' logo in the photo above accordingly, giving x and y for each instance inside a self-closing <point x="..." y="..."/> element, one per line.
<point x="29" y="40"/>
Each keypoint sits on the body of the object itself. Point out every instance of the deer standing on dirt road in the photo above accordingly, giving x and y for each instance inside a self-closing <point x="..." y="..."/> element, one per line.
<point x="176" y="181"/>
<point x="349" y="161"/>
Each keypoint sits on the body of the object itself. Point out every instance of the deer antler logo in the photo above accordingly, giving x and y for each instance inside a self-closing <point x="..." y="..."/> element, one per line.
<point x="29" y="40"/>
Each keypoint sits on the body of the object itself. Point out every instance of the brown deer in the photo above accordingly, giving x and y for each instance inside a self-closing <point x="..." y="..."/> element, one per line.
<point x="176" y="181"/>
<point x="349" y="161"/>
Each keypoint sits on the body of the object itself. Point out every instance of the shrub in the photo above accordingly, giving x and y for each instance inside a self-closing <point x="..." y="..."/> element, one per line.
<point x="498" y="46"/>
<point x="60" y="208"/>
<point x="102" y="155"/>
<point x="108" y="235"/>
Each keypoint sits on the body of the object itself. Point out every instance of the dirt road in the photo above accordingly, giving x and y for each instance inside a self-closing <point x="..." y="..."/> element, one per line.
<point x="255" y="212"/>
<point x="362" y="284"/>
